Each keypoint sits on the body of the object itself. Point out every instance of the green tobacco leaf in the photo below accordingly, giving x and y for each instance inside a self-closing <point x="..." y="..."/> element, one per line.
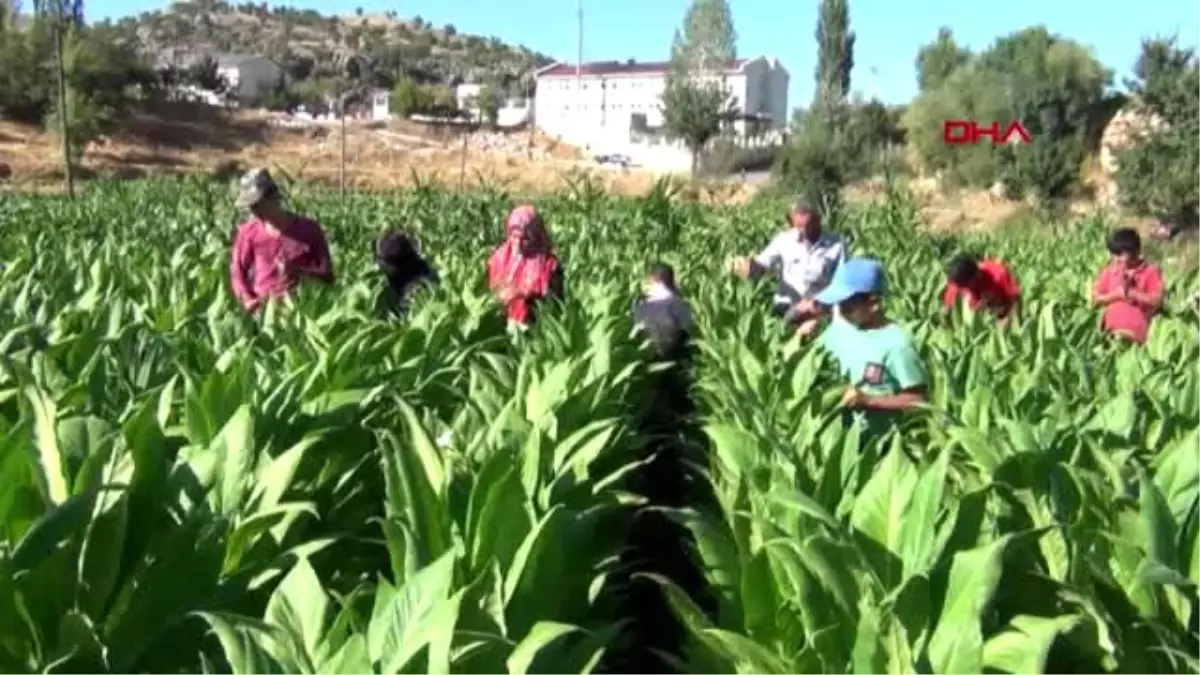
<point x="879" y="512"/>
<point x="402" y="621"/>
<point x="1158" y="527"/>
<point x="236" y="456"/>
<point x="411" y="498"/>
<point x="918" y="527"/>
<point x="52" y="474"/>
<point x="1024" y="647"/>
<point x="541" y="636"/>
<point x="300" y="607"/>
<point x="956" y="645"/>
<point x="245" y="644"/>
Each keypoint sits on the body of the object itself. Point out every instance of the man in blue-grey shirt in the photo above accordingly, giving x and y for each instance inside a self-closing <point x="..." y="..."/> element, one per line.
<point x="807" y="257"/>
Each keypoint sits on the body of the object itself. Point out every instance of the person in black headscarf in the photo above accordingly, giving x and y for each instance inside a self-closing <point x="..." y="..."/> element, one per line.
<point x="404" y="272"/>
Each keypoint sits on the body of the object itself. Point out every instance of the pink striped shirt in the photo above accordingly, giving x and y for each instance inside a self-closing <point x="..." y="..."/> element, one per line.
<point x="1126" y="316"/>
<point x="267" y="264"/>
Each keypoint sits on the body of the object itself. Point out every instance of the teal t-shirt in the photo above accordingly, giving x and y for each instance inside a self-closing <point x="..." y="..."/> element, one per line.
<point x="881" y="361"/>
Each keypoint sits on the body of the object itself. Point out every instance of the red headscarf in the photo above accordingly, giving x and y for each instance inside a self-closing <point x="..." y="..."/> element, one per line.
<point x="525" y="262"/>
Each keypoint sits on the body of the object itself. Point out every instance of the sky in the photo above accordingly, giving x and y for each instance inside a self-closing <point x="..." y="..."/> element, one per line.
<point x="889" y="32"/>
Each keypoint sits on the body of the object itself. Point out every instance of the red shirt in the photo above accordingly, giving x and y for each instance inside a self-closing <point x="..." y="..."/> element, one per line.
<point x="995" y="288"/>
<point x="268" y="264"/>
<point x="1125" y="316"/>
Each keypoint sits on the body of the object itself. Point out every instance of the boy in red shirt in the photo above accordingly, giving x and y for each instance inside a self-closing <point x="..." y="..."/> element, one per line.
<point x="984" y="284"/>
<point x="1129" y="288"/>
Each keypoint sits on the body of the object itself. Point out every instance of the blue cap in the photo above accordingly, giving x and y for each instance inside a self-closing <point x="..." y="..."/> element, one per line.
<point x="854" y="277"/>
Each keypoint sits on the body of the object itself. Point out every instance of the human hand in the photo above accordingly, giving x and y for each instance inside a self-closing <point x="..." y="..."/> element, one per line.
<point x="853" y="398"/>
<point x="505" y="294"/>
<point x="740" y="266"/>
<point x="807" y="328"/>
<point x="806" y="306"/>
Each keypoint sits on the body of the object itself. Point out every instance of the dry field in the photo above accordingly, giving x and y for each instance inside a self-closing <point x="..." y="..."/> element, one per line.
<point x="183" y="138"/>
<point x="186" y="139"/>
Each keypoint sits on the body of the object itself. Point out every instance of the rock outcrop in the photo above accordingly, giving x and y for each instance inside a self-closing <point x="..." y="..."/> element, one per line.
<point x="1124" y="127"/>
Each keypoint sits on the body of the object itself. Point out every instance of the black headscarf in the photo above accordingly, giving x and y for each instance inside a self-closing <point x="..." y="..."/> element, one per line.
<point x="404" y="269"/>
<point x="398" y="259"/>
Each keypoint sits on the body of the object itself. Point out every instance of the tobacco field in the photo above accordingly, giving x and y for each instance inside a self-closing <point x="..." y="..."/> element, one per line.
<point x="184" y="489"/>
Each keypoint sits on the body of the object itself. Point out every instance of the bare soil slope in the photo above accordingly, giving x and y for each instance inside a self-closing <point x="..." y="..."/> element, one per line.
<point x="184" y="138"/>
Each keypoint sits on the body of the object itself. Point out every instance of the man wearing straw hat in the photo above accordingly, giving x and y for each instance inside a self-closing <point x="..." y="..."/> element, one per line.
<point x="275" y="248"/>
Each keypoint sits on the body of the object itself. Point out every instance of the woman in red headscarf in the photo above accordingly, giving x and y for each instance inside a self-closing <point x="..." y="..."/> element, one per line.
<point x="524" y="269"/>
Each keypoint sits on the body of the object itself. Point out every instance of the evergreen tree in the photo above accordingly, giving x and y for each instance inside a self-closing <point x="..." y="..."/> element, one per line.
<point x="708" y="41"/>
<point x="835" y="55"/>
<point x="938" y="59"/>
<point x="818" y="162"/>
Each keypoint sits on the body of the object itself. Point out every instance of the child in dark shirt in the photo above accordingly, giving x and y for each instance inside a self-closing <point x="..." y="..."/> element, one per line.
<point x="404" y="272"/>
<point x="663" y="314"/>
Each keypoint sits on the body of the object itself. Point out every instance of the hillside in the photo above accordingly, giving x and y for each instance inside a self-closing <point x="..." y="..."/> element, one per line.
<point x="313" y="47"/>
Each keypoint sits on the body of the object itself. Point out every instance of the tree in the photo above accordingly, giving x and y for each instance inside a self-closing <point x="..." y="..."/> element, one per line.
<point x="1047" y="170"/>
<point x="870" y="131"/>
<point x="440" y="101"/>
<point x="969" y="93"/>
<point x="86" y="121"/>
<point x="488" y="102"/>
<point x="299" y="67"/>
<point x="938" y="59"/>
<point x="708" y="41"/>
<point x="106" y="68"/>
<point x="821" y="157"/>
<point x="695" y="100"/>
<point x="1156" y="174"/>
<point x="835" y="55"/>
<point x="1051" y="84"/>
<point x="693" y="112"/>
<point x="812" y="166"/>
<point x="26" y="80"/>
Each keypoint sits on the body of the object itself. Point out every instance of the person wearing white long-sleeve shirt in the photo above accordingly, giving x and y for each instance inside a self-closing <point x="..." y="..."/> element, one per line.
<point x="806" y="256"/>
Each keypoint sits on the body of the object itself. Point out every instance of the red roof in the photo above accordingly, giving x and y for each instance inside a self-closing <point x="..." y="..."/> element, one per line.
<point x="617" y="68"/>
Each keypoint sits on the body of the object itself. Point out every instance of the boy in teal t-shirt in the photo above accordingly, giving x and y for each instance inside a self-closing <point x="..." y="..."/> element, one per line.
<point x="885" y="372"/>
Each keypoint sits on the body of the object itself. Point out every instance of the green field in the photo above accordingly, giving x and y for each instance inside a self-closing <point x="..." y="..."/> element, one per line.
<point x="183" y="489"/>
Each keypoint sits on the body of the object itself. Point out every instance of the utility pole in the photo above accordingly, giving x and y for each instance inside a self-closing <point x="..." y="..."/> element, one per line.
<point x="64" y="125"/>
<point x="462" y="162"/>
<point x="531" y="120"/>
<point x="579" y="60"/>
<point x="342" y="149"/>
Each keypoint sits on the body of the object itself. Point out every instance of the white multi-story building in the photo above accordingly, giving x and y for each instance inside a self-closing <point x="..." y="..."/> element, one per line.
<point x="598" y="104"/>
